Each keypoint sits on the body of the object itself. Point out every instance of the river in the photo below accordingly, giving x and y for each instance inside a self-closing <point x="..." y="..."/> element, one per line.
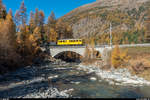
<point x="68" y="77"/>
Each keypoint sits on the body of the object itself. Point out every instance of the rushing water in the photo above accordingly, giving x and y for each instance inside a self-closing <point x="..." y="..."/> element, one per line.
<point x="83" y="84"/>
<point x="85" y="87"/>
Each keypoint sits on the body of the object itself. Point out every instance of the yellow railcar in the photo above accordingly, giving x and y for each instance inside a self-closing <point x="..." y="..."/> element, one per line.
<point x="70" y="42"/>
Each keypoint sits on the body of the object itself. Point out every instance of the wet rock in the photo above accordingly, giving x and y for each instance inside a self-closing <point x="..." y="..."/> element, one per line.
<point x="93" y="78"/>
<point x="100" y="80"/>
<point x="51" y="77"/>
<point x="75" y="83"/>
<point x="111" y="83"/>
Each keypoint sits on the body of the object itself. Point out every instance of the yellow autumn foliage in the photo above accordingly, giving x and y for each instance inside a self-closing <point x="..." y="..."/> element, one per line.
<point x="119" y="58"/>
<point x="53" y="35"/>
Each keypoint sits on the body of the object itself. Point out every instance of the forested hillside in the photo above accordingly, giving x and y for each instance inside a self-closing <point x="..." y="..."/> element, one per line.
<point x="21" y="38"/>
<point x="128" y="18"/>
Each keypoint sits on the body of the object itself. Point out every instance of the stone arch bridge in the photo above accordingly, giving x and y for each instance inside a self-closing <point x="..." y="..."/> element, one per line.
<point x="55" y="50"/>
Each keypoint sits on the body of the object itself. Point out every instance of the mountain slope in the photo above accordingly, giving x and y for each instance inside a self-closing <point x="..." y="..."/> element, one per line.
<point x="93" y="19"/>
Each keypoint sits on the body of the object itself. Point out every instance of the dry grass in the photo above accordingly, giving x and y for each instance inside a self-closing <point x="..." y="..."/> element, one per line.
<point x="136" y="52"/>
<point x="139" y="63"/>
<point x="145" y="74"/>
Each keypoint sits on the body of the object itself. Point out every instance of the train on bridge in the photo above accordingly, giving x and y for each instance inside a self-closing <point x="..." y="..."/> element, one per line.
<point x="68" y="42"/>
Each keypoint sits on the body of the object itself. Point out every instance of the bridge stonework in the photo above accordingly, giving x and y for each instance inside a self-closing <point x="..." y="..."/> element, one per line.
<point x="55" y="50"/>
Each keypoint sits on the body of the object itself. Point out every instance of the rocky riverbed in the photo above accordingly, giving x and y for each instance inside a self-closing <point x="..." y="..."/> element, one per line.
<point x="63" y="80"/>
<point x="33" y="82"/>
<point x="116" y="76"/>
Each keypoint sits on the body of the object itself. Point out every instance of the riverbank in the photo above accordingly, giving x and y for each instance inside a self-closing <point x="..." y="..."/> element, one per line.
<point x="116" y="76"/>
<point x="135" y="71"/>
<point x="139" y="63"/>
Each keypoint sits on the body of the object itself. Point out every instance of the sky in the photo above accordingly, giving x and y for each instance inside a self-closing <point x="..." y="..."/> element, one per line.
<point x="60" y="7"/>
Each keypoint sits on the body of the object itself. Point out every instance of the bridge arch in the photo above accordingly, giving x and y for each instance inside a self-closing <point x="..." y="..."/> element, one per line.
<point x="69" y="56"/>
<point x="66" y="52"/>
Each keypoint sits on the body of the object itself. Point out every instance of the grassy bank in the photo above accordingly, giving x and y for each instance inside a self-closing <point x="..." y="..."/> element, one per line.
<point x="139" y="63"/>
<point x="135" y="52"/>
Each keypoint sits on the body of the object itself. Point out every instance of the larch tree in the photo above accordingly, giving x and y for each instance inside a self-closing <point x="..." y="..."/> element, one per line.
<point x="37" y="35"/>
<point x="8" y="54"/>
<point x="116" y="57"/>
<point x="119" y="57"/>
<point x="36" y="17"/>
<point x="51" y="20"/>
<point x="3" y="11"/>
<point x="17" y="20"/>
<point x="51" y="27"/>
<point x="31" y="22"/>
<point x="41" y="25"/>
<point x="23" y="14"/>
<point x="53" y="35"/>
<point x="21" y="17"/>
<point x="10" y="12"/>
<point x="23" y="30"/>
<point x="11" y="26"/>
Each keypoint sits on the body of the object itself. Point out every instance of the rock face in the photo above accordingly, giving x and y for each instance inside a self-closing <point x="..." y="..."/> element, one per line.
<point x="94" y="18"/>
